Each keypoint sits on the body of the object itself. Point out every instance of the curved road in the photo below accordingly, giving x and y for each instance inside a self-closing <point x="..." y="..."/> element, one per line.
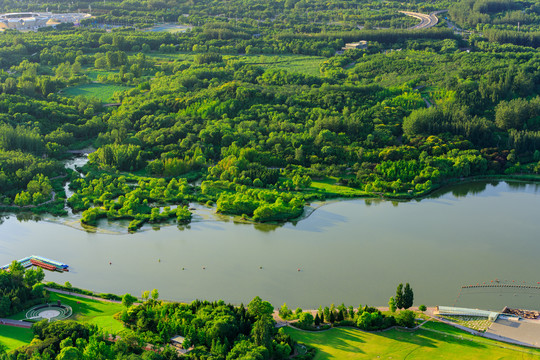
<point x="426" y="21"/>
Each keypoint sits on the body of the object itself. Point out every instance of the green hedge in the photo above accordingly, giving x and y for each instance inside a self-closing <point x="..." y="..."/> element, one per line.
<point x="106" y="296"/>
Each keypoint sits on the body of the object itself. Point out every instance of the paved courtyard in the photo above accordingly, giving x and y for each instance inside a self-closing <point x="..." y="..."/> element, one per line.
<point x="524" y="331"/>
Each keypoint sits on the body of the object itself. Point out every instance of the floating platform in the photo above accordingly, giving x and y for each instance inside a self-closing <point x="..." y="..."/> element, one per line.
<point x="40" y="261"/>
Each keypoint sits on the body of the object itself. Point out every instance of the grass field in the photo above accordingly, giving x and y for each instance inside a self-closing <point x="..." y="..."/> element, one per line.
<point x="86" y="310"/>
<point x="293" y="63"/>
<point x="14" y="337"/>
<point x="104" y="92"/>
<point x="393" y="344"/>
<point x="91" y="311"/>
<point x="329" y="186"/>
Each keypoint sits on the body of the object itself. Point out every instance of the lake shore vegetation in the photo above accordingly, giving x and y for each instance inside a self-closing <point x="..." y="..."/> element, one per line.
<point x="258" y="119"/>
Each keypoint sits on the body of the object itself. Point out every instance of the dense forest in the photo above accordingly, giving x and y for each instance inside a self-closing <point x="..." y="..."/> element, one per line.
<point x="251" y="108"/>
<point x="20" y="289"/>
<point x="259" y="113"/>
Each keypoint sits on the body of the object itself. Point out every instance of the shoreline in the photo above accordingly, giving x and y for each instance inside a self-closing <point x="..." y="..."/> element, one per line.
<point x="309" y="209"/>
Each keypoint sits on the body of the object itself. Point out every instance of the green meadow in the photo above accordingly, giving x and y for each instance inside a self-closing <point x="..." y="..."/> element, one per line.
<point x="104" y="92"/>
<point x="14" y="337"/>
<point x="444" y="343"/>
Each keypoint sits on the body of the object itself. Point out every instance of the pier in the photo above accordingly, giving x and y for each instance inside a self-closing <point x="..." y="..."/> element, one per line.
<point x="40" y="261"/>
<point x="501" y="286"/>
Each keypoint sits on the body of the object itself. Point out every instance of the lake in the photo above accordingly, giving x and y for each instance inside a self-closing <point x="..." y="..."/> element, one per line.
<point x="354" y="251"/>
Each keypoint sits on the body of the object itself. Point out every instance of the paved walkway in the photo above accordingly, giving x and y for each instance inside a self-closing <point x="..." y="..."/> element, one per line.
<point x="16" y="323"/>
<point x="81" y="295"/>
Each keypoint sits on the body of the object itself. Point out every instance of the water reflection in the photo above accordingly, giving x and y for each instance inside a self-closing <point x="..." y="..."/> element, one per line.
<point x="268" y="228"/>
<point x="520" y="186"/>
<point x="347" y="252"/>
<point x="28" y="216"/>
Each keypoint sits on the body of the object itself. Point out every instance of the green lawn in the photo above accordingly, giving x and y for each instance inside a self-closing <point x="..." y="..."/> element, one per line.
<point x="422" y="344"/>
<point x="14" y="337"/>
<point x="104" y="92"/>
<point x="329" y="186"/>
<point x="86" y="310"/>
<point x="92" y="311"/>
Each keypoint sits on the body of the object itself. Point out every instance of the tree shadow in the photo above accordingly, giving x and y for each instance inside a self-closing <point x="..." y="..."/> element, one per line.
<point x="82" y="307"/>
<point x="427" y="338"/>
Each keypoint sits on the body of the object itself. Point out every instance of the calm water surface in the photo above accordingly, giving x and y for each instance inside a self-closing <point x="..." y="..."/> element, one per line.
<point x="354" y="252"/>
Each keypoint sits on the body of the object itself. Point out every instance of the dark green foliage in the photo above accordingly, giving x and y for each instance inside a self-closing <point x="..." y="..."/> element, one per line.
<point x="408" y="296"/>
<point x="83" y="291"/>
<point x="399" y="298"/>
<point x="64" y="340"/>
<point x="405" y="318"/>
<point x="208" y="58"/>
<point x="374" y="320"/>
<point x="223" y="330"/>
<point x="20" y="289"/>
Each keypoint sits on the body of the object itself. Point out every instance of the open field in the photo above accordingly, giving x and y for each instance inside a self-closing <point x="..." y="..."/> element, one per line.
<point x="14" y="337"/>
<point x="86" y="310"/>
<point x="104" y="92"/>
<point x="293" y="63"/>
<point x="346" y="343"/>
<point x="329" y="186"/>
<point x="92" y="311"/>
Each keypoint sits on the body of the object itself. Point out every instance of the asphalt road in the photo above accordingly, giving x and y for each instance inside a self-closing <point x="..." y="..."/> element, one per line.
<point x="426" y="20"/>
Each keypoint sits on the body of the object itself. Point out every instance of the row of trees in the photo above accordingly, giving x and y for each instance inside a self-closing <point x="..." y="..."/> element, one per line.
<point x="404" y="298"/>
<point x="365" y="318"/>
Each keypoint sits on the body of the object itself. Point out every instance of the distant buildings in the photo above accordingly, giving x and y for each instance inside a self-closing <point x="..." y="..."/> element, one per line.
<point x="178" y="341"/>
<point x="361" y="45"/>
<point x="34" y="20"/>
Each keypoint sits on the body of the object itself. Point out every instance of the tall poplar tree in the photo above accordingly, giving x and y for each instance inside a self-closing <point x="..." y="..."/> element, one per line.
<point x="399" y="297"/>
<point x="408" y="296"/>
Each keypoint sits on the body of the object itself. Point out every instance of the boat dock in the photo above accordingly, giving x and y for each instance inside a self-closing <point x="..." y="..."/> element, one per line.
<point x="40" y="261"/>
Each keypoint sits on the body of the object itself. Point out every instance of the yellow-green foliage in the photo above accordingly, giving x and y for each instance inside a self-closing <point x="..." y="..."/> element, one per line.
<point x="341" y="343"/>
